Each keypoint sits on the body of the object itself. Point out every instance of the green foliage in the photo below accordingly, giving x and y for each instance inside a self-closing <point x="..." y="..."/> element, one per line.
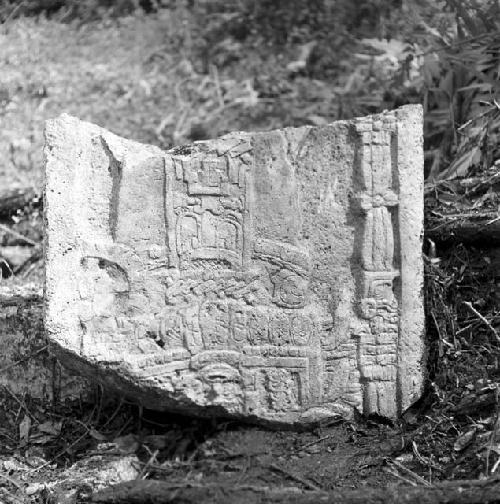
<point x="283" y="20"/>
<point x="369" y="54"/>
<point x="459" y="58"/>
<point x="451" y="65"/>
<point x="67" y="10"/>
<point x="293" y="21"/>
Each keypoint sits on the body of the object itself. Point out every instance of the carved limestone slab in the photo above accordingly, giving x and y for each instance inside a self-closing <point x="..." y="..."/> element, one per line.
<point x="268" y="276"/>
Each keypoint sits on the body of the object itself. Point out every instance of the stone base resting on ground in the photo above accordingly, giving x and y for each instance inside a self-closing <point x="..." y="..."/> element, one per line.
<point x="273" y="277"/>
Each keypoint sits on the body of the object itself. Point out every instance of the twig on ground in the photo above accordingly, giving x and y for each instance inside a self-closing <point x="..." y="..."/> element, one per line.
<point x="60" y="454"/>
<point x="316" y="441"/>
<point x="425" y="461"/>
<point x="12" y="481"/>
<point x="483" y="319"/>
<point x="148" y="465"/>
<point x="394" y="473"/>
<point x="29" y="263"/>
<point x="24" y="359"/>
<point x="113" y="416"/>
<point x="294" y="477"/>
<point x="7" y="229"/>
<point x="493" y="438"/>
<point x="416" y="478"/>
<point x="21" y="403"/>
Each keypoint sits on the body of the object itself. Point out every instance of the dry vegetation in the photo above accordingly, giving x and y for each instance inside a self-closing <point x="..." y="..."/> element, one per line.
<point x="182" y="73"/>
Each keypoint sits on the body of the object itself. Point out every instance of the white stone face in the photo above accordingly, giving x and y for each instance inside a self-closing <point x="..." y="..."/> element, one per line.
<point x="270" y="276"/>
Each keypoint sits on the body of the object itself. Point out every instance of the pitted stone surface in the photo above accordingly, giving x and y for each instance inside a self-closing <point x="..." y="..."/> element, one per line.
<point x="270" y="276"/>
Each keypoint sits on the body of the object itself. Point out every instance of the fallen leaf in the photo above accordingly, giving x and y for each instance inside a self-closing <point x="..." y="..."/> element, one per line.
<point x="97" y="435"/>
<point x="156" y="442"/>
<point x="126" y="444"/>
<point x="50" y="427"/>
<point x="24" y="429"/>
<point x="464" y="440"/>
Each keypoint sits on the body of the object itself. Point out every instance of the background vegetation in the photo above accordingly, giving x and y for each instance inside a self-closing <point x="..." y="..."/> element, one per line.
<point x="173" y="71"/>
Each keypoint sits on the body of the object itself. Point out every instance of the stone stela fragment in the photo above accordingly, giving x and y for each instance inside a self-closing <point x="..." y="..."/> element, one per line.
<point x="265" y="276"/>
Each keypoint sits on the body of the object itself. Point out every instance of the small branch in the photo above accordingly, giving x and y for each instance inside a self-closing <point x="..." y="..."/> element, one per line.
<point x="12" y="481"/>
<point x="7" y="229"/>
<point x="464" y="228"/>
<point x="294" y="477"/>
<point x="409" y="472"/>
<point x="483" y="319"/>
<point x="20" y="361"/>
<point x="312" y="443"/>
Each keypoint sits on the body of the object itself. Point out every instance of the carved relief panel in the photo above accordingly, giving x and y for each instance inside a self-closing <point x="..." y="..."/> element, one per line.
<point x="262" y="276"/>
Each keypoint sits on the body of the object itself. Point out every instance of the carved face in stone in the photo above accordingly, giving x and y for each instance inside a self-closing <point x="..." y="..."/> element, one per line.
<point x="222" y="385"/>
<point x="381" y="290"/>
<point x="289" y="289"/>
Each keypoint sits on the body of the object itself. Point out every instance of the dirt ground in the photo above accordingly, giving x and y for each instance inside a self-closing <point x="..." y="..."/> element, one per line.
<point x="144" y="77"/>
<point x="339" y="455"/>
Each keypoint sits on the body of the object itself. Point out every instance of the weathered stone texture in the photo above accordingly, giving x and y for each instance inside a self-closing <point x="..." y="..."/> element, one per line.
<point x="272" y="276"/>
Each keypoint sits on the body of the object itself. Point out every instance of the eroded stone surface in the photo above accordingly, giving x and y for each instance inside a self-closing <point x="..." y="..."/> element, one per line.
<point x="273" y="276"/>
